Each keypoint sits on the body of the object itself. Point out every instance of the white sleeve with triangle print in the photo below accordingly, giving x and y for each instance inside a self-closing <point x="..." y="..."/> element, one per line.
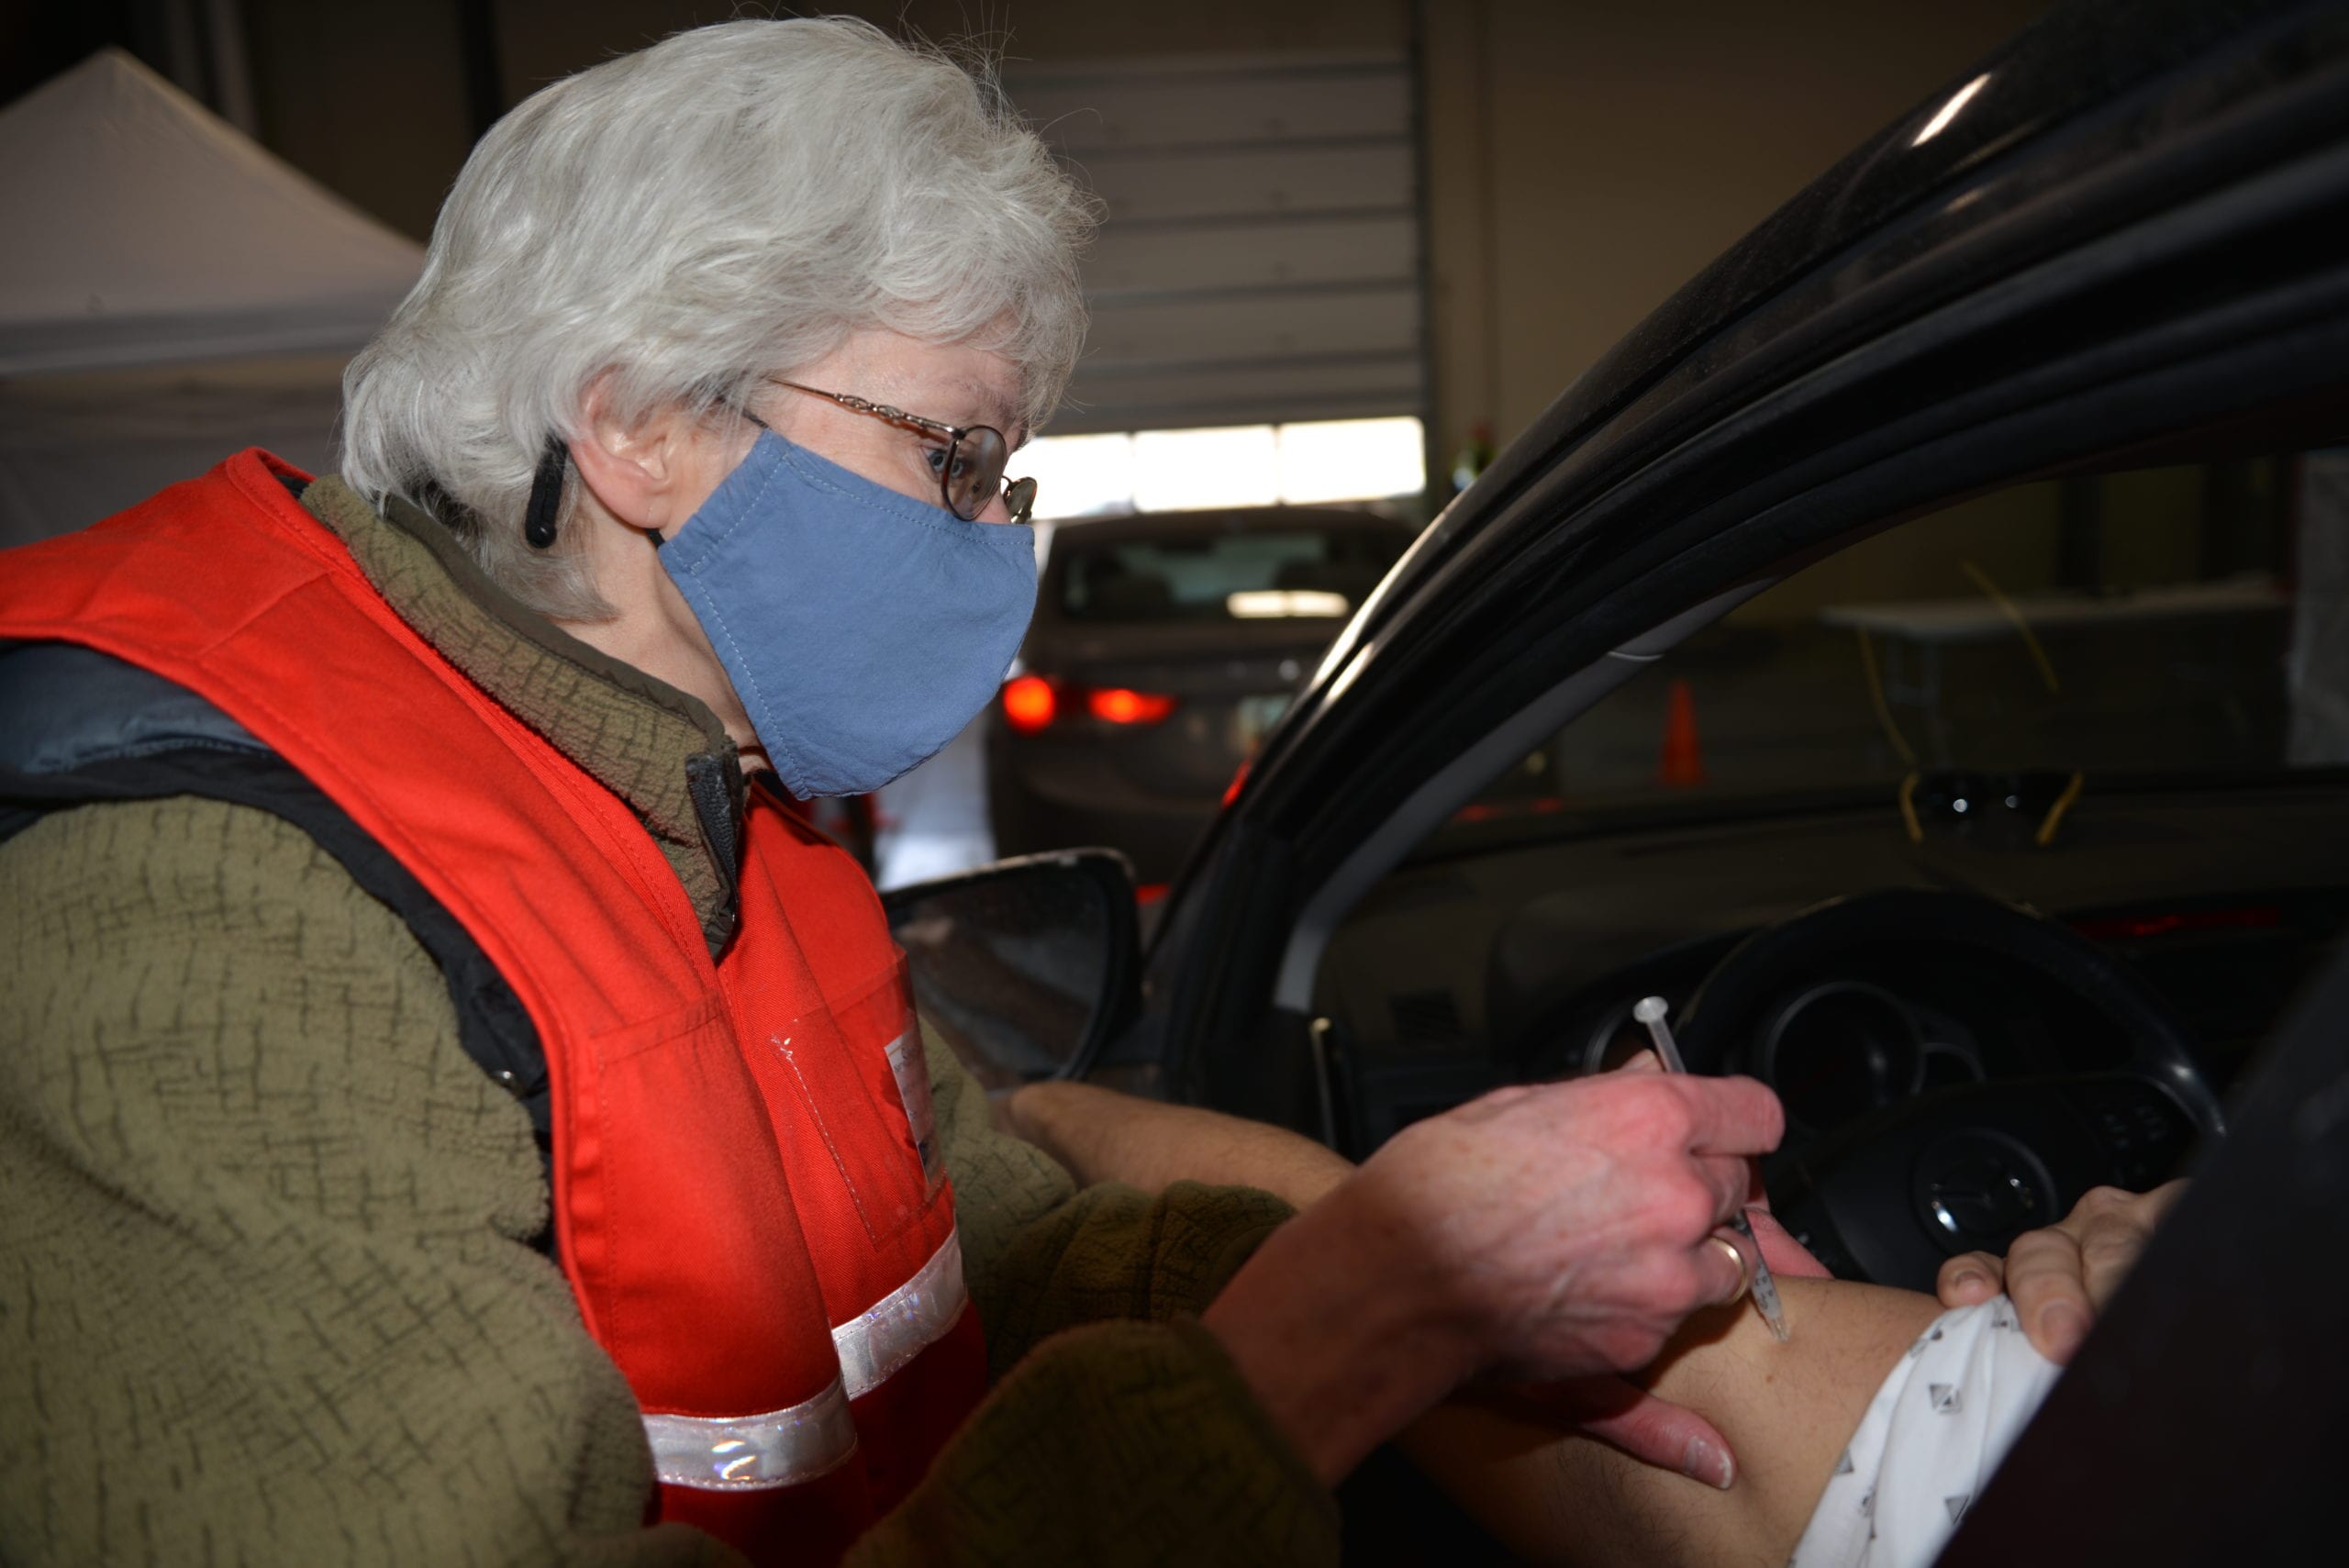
<point x="1945" y="1415"/>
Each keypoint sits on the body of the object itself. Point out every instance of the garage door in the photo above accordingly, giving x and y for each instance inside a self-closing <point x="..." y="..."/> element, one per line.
<point x="1260" y="261"/>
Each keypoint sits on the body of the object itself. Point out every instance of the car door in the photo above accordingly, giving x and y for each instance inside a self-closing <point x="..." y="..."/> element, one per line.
<point x="2052" y="280"/>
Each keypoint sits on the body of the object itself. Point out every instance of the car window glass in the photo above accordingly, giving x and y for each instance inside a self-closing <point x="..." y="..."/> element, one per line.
<point x="2187" y="619"/>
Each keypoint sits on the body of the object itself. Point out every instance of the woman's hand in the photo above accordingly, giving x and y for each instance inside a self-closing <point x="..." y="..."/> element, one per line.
<point x="1570" y="1228"/>
<point x="1100" y="1135"/>
<point x="1540" y="1233"/>
<point x="2061" y="1277"/>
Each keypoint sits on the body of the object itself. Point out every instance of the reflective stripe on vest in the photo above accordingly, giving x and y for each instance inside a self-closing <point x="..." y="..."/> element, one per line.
<point x="800" y="1442"/>
<point x="746" y="1453"/>
<point x="901" y="1325"/>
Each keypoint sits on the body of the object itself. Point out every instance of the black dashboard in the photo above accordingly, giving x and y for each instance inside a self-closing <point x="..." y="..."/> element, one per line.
<point x="1845" y="1040"/>
<point x="1514" y="952"/>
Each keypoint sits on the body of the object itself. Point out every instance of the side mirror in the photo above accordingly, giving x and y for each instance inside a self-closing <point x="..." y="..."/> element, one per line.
<point x="1029" y="966"/>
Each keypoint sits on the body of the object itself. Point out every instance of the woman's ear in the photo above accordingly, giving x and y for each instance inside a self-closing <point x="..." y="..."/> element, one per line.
<point x="632" y="468"/>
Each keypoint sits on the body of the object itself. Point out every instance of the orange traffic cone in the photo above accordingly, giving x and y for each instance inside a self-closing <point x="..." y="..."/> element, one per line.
<point x="1681" y="764"/>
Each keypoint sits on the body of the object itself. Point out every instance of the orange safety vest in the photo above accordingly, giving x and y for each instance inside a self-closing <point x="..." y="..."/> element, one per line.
<point x="747" y="1223"/>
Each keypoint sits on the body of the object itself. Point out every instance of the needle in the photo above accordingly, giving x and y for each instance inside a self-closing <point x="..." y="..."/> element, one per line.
<point x="1649" y="1010"/>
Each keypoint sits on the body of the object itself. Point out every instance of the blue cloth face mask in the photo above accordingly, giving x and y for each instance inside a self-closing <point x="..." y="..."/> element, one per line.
<point x="862" y="629"/>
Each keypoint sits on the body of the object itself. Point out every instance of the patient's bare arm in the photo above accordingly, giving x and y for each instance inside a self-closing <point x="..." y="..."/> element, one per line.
<point x="1559" y="1496"/>
<point x="1787" y="1410"/>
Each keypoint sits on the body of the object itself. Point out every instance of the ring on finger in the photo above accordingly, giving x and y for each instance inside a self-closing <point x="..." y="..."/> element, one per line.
<point x="1744" y="1270"/>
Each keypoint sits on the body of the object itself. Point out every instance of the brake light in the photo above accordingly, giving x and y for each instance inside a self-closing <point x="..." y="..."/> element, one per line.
<point x="2141" y="928"/>
<point x="1029" y="703"/>
<point x="1116" y="705"/>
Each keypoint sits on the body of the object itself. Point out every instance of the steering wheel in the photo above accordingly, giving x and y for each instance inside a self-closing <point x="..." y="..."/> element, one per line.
<point x="1889" y="1196"/>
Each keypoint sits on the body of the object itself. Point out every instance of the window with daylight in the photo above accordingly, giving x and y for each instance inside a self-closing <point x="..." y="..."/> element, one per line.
<point x="1319" y="462"/>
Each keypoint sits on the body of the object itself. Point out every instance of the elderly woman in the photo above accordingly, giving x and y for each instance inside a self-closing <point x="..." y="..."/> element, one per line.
<point x="451" y="1111"/>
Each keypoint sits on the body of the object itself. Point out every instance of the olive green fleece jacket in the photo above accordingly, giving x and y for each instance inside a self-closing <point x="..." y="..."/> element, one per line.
<point x="265" y="1290"/>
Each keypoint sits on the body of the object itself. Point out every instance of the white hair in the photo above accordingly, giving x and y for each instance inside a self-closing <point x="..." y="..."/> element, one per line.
<point x="729" y="204"/>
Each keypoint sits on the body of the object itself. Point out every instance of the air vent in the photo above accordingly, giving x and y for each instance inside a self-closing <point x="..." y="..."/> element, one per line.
<point x="1428" y="1021"/>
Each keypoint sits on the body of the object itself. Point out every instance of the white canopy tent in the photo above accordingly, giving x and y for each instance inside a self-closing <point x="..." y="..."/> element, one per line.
<point x="170" y="292"/>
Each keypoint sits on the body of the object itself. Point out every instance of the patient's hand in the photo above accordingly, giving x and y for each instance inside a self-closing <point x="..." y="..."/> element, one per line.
<point x="2061" y="1277"/>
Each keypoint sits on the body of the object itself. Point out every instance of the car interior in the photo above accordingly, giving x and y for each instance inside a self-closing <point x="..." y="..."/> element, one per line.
<point x="1996" y="843"/>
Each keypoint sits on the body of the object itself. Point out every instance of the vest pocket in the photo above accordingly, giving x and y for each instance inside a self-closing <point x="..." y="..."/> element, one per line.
<point x="842" y="1110"/>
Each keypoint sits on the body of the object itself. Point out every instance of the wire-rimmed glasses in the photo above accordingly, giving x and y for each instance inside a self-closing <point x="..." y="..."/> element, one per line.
<point x="970" y="468"/>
